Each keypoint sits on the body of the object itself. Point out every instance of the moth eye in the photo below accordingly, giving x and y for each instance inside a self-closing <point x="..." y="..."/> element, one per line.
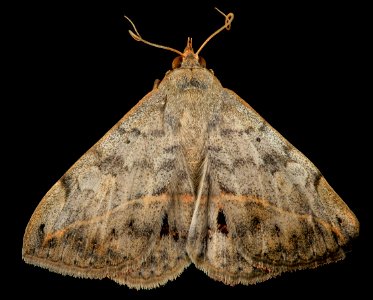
<point x="176" y="63"/>
<point x="202" y="62"/>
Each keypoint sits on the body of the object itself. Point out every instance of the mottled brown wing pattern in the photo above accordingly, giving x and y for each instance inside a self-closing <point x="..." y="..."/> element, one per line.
<point x="122" y="210"/>
<point x="265" y="208"/>
<point x="191" y="174"/>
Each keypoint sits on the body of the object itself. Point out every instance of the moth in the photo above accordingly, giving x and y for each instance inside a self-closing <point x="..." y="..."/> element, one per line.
<point x="192" y="174"/>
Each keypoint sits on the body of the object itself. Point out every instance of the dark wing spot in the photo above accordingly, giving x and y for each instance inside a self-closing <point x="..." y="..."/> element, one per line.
<point x="52" y="242"/>
<point x="239" y="162"/>
<point x="335" y="237"/>
<point x="263" y="128"/>
<point x="317" y="179"/>
<point x="159" y="191"/>
<point x="135" y="131"/>
<point x="94" y="244"/>
<point x="144" y="164"/>
<point x="213" y="122"/>
<point x="168" y="165"/>
<point x="137" y="205"/>
<point x="130" y="224"/>
<point x="269" y="160"/>
<point x="241" y="230"/>
<point x="221" y="223"/>
<point x="41" y="232"/>
<point x="111" y="165"/>
<point x="308" y="235"/>
<point x="255" y="225"/>
<point x="157" y="133"/>
<point x="227" y="132"/>
<point x="249" y="130"/>
<point x="175" y="235"/>
<point x="171" y="149"/>
<point x="121" y="130"/>
<point x="217" y="163"/>
<point x="113" y="233"/>
<point x="258" y="139"/>
<point x="182" y="175"/>
<point x="293" y="241"/>
<point x="41" y="228"/>
<point x="225" y="189"/>
<point x="165" y="229"/>
<point x="152" y="260"/>
<point x="214" y="148"/>
<point x="164" y="255"/>
<point x="78" y="244"/>
<point x="277" y="230"/>
<point x="287" y="149"/>
<point x="271" y="163"/>
<point x="67" y="182"/>
<point x="138" y="195"/>
<point x="279" y="248"/>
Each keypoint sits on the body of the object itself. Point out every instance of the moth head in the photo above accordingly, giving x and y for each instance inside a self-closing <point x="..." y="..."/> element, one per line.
<point x="188" y="59"/>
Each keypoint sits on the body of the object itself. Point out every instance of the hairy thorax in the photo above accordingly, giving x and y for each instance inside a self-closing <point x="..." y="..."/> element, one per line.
<point x="193" y="99"/>
<point x="193" y="134"/>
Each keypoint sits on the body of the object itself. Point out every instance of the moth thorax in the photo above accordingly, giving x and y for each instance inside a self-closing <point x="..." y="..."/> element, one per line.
<point x="193" y="141"/>
<point x="194" y="154"/>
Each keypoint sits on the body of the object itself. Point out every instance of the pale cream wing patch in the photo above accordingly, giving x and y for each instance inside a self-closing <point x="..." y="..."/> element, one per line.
<point x="265" y="208"/>
<point x="117" y="212"/>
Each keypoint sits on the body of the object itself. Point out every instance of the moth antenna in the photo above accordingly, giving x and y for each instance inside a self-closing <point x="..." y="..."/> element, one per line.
<point x="137" y="37"/>
<point x="228" y="21"/>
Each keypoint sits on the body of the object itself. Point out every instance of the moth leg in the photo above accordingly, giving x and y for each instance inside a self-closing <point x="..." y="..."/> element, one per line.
<point x="156" y="84"/>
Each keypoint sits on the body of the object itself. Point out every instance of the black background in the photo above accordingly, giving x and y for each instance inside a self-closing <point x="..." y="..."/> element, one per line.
<point x="75" y="71"/>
